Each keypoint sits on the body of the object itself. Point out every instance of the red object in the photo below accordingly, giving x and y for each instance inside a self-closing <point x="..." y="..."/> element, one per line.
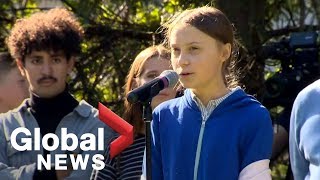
<point x="120" y="126"/>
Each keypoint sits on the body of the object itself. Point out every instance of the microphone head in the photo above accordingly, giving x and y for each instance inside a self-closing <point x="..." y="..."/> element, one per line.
<point x="171" y="76"/>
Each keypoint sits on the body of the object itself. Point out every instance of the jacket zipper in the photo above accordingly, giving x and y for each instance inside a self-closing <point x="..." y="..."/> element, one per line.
<point x="198" y="153"/>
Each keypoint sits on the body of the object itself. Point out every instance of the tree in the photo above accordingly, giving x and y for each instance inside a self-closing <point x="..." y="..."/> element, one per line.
<point x="116" y="30"/>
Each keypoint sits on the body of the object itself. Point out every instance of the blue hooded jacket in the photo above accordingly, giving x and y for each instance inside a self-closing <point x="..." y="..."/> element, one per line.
<point x="237" y="133"/>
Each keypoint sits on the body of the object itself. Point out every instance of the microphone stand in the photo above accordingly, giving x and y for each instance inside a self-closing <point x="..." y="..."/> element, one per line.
<point x="147" y="117"/>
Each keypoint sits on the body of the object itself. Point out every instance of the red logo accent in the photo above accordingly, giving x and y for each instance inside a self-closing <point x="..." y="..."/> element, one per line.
<point x="123" y="128"/>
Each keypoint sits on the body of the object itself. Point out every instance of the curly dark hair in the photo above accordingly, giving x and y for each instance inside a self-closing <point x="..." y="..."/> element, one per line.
<point x="56" y="29"/>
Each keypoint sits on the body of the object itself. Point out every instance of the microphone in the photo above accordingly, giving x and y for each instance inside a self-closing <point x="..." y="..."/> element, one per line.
<point x="146" y="92"/>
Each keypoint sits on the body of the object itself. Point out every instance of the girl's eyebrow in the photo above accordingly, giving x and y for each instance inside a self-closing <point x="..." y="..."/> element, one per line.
<point x="152" y="71"/>
<point x="190" y="43"/>
<point x="195" y="42"/>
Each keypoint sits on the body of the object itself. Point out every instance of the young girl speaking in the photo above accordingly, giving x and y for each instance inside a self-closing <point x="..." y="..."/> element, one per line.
<point x="216" y="130"/>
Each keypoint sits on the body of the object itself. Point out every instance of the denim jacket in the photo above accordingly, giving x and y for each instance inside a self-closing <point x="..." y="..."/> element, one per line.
<point x="16" y="164"/>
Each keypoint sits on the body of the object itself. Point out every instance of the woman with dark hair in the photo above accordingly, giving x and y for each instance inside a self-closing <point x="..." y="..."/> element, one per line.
<point x="148" y="64"/>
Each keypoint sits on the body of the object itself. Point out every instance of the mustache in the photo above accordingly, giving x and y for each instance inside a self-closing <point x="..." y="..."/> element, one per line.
<point x="47" y="78"/>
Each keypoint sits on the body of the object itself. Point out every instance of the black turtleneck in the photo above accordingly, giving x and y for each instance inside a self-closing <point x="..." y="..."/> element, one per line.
<point x="49" y="112"/>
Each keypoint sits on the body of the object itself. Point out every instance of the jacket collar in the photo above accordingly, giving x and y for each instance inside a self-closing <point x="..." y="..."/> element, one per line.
<point x="84" y="109"/>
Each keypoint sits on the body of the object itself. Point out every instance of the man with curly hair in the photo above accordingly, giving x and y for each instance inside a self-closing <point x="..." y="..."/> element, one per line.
<point x="44" y="46"/>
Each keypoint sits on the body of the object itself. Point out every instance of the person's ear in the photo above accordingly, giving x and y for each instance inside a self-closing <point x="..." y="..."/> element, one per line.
<point x="21" y="67"/>
<point x="226" y="51"/>
<point x="70" y="64"/>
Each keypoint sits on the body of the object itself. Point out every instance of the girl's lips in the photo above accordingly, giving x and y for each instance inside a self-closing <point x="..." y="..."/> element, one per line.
<point x="185" y="74"/>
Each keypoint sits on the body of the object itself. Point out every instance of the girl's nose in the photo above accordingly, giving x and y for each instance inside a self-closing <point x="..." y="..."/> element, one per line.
<point x="183" y="59"/>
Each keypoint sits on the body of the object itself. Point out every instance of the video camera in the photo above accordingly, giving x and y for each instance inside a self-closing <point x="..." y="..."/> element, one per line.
<point x="298" y="57"/>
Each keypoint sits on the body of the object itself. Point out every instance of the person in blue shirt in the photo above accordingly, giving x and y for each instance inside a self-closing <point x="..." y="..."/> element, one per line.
<point x="304" y="136"/>
<point x="215" y="130"/>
